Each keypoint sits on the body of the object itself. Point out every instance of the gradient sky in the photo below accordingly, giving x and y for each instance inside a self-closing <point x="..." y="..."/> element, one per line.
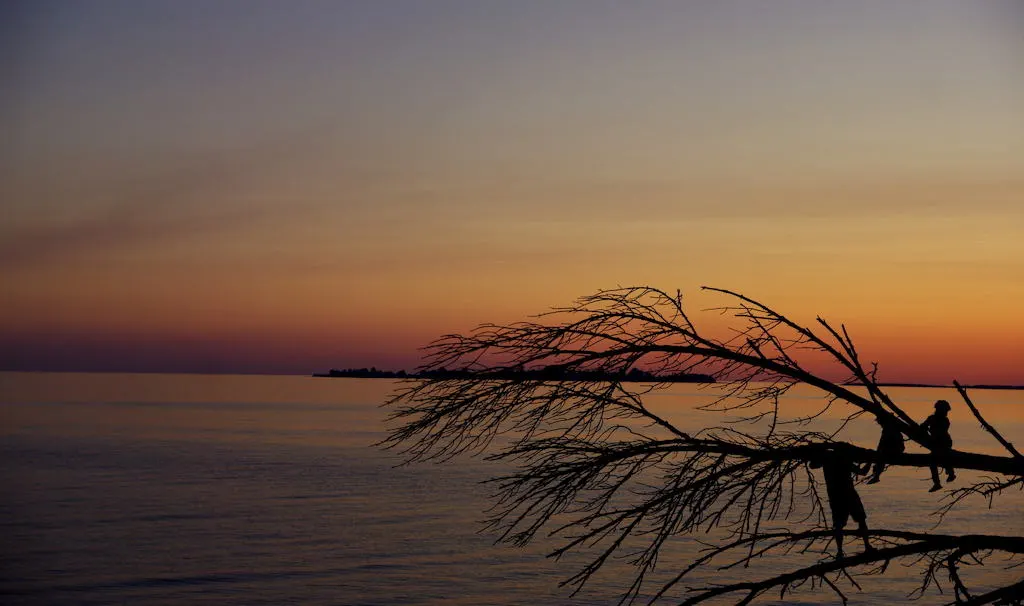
<point x="265" y="186"/>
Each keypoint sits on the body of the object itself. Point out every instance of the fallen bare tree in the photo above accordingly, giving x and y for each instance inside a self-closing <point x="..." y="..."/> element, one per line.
<point x="599" y="469"/>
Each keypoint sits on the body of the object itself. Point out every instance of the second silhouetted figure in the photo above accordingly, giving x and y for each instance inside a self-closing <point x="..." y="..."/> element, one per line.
<point x="937" y="426"/>
<point x="890" y="443"/>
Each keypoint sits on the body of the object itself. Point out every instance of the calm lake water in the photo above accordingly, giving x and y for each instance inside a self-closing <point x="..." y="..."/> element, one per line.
<point x="170" y="489"/>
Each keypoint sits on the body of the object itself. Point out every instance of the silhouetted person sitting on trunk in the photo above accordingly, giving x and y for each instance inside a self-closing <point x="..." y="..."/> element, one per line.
<point x="937" y="426"/>
<point x="889" y="443"/>
<point x="843" y="499"/>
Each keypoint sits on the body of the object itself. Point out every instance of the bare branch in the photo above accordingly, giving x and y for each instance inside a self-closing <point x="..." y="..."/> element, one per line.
<point x="988" y="427"/>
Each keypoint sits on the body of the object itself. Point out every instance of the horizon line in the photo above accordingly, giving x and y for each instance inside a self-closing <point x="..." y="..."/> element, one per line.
<point x="993" y="386"/>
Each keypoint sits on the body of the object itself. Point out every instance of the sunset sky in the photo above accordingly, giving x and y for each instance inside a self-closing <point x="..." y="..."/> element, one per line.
<point x="268" y="186"/>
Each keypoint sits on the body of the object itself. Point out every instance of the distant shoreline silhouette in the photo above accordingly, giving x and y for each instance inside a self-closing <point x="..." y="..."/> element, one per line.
<point x="546" y="374"/>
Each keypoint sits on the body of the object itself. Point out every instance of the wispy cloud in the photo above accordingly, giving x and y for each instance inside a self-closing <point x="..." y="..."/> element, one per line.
<point x="207" y="194"/>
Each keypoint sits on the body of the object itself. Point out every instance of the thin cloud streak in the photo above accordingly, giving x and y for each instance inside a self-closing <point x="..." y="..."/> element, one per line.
<point x="208" y="195"/>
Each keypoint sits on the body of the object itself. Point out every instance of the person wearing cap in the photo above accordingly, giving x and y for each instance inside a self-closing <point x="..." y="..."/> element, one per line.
<point x="937" y="426"/>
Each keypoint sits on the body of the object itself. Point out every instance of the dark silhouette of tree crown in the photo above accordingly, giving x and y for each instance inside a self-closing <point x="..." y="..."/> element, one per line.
<point x="596" y="467"/>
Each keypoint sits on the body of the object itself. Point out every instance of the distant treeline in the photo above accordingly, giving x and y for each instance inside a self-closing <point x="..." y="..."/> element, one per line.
<point x="543" y="374"/>
<point x="365" y="373"/>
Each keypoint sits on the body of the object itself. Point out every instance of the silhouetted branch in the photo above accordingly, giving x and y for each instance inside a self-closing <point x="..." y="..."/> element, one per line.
<point x="987" y="489"/>
<point x="941" y="549"/>
<point x="988" y="427"/>
<point x="1009" y="595"/>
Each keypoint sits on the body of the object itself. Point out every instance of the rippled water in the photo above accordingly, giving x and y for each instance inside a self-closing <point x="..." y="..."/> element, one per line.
<point x="167" y="489"/>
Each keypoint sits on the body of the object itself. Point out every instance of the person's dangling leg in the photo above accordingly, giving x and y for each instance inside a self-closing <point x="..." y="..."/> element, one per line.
<point x="860" y="515"/>
<point x="863" y="527"/>
<point x="839" y="516"/>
